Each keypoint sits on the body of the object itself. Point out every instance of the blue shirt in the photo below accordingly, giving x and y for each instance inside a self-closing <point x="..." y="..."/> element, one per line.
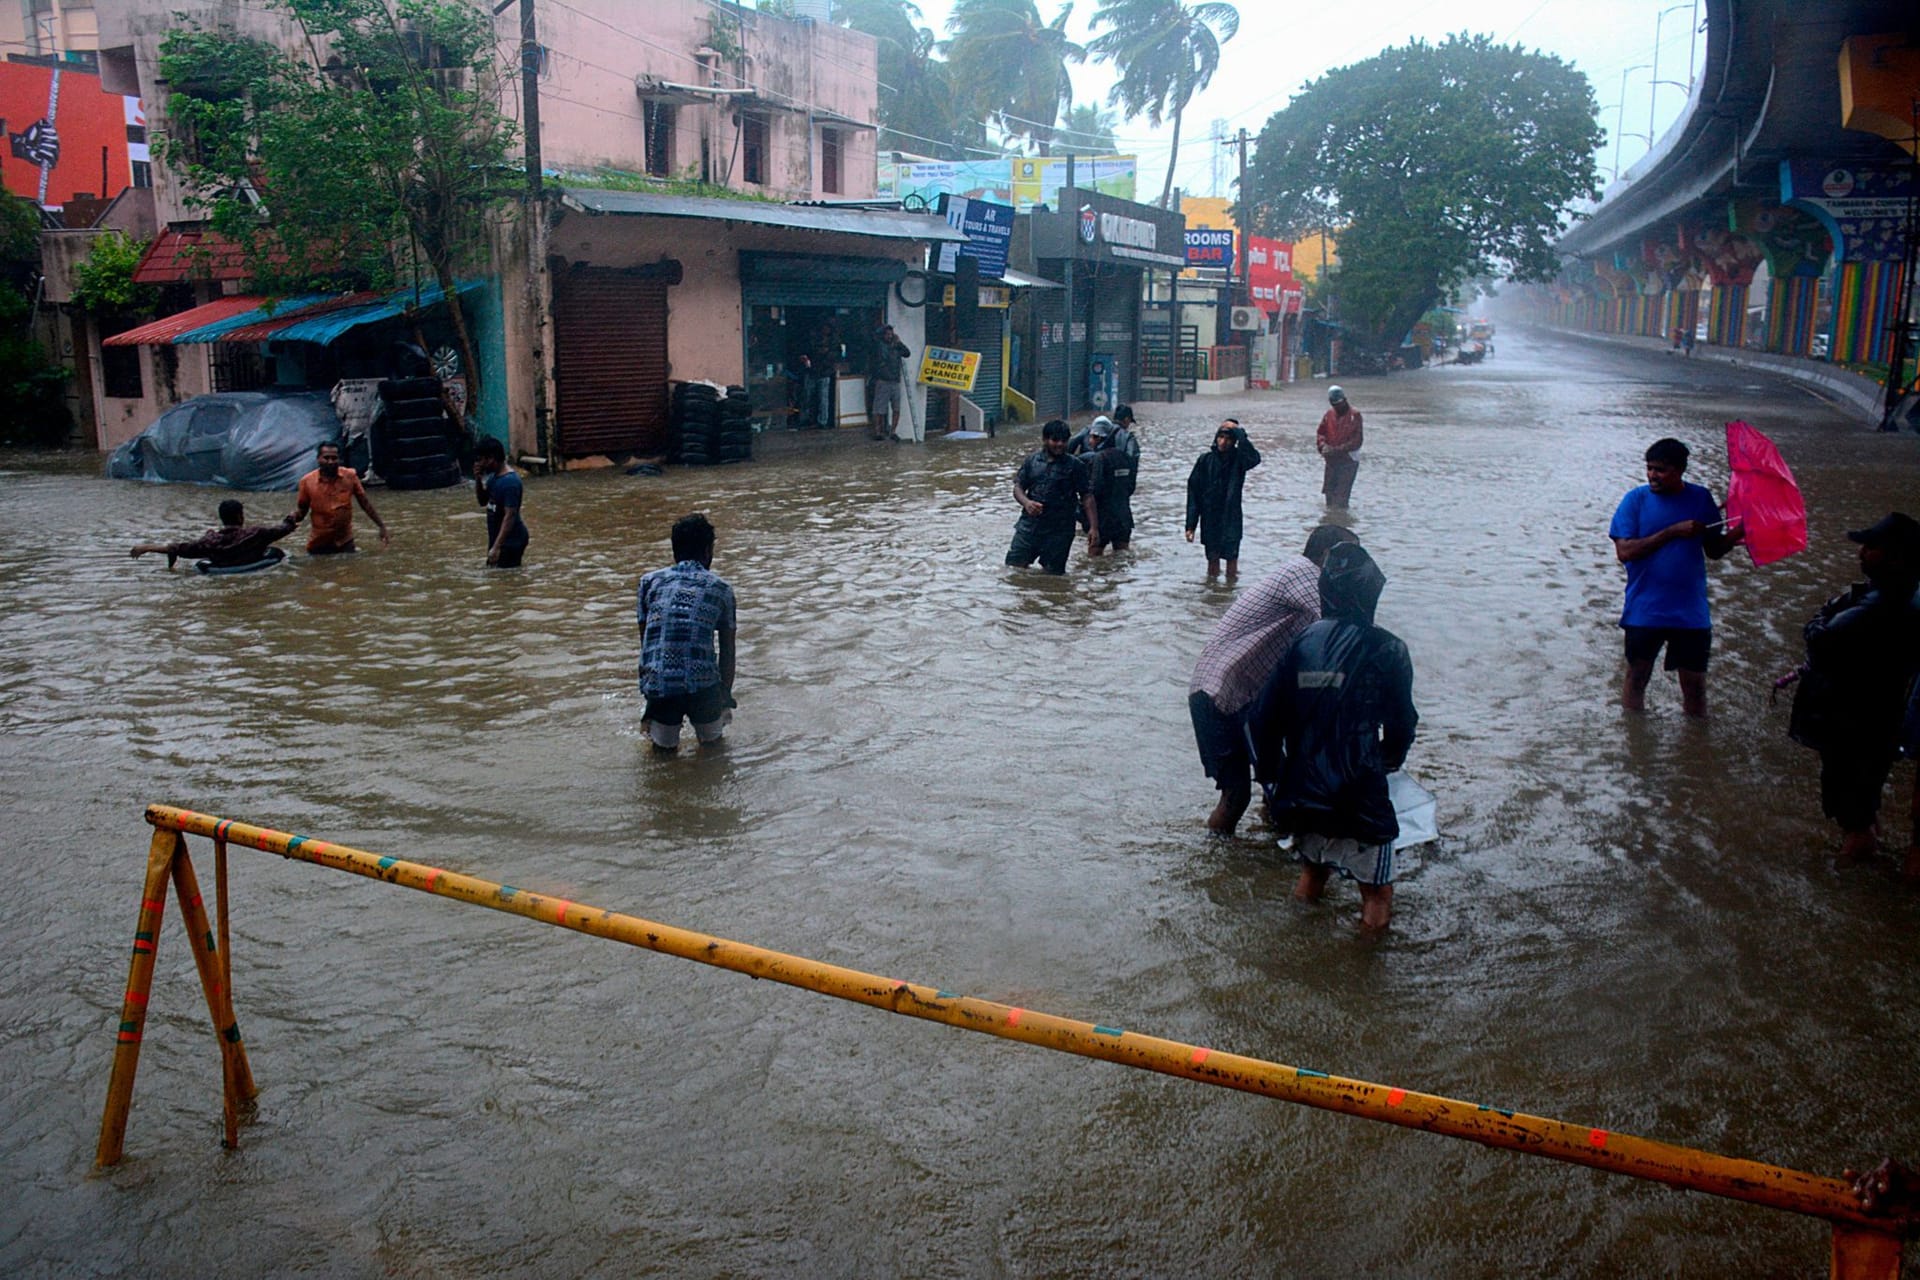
<point x="680" y="610"/>
<point x="503" y="495"/>
<point x="1668" y="587"/>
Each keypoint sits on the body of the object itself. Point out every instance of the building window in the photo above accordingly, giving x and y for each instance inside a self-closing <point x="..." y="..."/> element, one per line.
<point x="659" y="124"/>
<point x="120" y="373"/>
<point x="830" y="161"/>
<point x="753" y="149"/>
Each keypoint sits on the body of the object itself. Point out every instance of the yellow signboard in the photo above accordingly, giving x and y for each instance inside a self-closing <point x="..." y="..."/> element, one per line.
<point x="949" y="367"/>
<point x="991" y="295"/>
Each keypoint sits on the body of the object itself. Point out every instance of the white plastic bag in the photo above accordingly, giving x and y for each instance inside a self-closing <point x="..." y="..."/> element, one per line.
<point x="1416" y="809"/>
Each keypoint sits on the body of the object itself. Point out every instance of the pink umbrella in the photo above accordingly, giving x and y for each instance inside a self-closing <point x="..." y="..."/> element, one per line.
<point x="1763" y="497"/>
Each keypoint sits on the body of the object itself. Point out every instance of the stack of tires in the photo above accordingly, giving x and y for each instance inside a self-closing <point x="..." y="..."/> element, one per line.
<point x="708" y="427"/>
<point x="695" y="425"/>
<point x="735" y="440"/>
<point x="415" y="443"/>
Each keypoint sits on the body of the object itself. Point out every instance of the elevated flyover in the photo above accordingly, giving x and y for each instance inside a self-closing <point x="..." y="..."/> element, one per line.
<point x="1777" y="206"/>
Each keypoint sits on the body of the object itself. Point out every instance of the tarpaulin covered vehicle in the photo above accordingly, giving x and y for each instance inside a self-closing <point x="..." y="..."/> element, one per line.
<point x="240" y="439"/>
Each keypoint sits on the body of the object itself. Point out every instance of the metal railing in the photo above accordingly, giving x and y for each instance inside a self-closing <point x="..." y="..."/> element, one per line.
<point x="1864" y="1246"/>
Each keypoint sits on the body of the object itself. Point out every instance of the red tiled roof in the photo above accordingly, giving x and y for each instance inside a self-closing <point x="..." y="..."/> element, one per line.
<point x="190" y="255"/>
<point x="265" y="329"/>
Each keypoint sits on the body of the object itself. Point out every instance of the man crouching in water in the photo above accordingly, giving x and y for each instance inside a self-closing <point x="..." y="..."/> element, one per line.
<point x="1336" y="718"/>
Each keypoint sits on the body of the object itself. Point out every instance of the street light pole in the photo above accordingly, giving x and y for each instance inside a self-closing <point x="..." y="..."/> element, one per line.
<point x="1620" y="122"/>
<point x="1653" y="85"/>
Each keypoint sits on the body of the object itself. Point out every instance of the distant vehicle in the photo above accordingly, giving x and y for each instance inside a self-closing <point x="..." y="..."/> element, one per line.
<point x="239" y="439"/>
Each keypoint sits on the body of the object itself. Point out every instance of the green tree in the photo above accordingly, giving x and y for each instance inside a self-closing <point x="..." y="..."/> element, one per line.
<point x="32" y="410"/>
<point x="920" y="110"/>
<point x="103" y="283"/>
<point x="1165" y="52"/>
<point x="1089" y="131"/>
<point x="1014" y="64"/>
<point x="373" y="157"/>
<point x="1439" y="163"/>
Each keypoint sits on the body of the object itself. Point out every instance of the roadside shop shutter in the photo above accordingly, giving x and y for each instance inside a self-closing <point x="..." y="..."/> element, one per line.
<point x="1050" y="354"/>
<point x="610" y="362"/>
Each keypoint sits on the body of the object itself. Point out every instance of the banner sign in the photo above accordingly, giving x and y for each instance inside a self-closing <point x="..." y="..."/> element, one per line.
<point x="988" y="228"/>
<point x="991" y="295"/>
<point x="1270" y="277"/>
<point x="1021" y="181"/>
<point x="949" y="367"/>
<point x="1207" y="247"/>
<point x="1863" y="207"/>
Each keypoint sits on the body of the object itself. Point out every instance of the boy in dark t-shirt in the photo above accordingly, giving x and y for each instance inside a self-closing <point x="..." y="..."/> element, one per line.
<point x="1050" y="486"/>
<point x="497" y="487"/>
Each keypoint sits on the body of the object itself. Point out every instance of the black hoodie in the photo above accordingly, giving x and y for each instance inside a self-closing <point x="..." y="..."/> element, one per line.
<point x="1337" y="716"/>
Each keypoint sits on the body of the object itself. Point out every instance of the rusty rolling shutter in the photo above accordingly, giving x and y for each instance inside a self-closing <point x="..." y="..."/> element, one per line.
<point x="610" y="362"/>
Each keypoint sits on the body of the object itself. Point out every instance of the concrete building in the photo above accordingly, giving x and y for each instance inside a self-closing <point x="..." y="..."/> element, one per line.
<point x="631" y="277"/>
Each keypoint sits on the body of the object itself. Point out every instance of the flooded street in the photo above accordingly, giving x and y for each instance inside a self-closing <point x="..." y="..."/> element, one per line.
<point x="951" y="773"/>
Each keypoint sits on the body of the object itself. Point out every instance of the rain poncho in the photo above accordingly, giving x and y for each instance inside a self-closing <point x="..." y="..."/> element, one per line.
<point x="1338" y="715"/>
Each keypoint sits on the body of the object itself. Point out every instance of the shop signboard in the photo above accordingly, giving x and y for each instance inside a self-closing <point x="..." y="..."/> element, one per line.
<point x="1270" y="275"/>
<point x="1210" y="247"/>
<point x="988" y="228"/>
<point x="991" y="295"/>
<point x="1095" y="228"/>
<point x="949" y="367"/>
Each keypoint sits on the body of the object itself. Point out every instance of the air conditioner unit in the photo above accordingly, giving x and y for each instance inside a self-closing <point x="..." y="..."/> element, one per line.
<point x="1246" y="318"/>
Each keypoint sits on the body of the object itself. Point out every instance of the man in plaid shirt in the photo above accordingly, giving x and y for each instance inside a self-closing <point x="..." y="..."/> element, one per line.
<point x="1243" y="653"/>
<point x="684" y="611"/>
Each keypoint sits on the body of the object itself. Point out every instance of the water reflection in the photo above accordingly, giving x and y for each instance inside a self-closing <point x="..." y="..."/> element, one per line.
<point x="946" y="771"/>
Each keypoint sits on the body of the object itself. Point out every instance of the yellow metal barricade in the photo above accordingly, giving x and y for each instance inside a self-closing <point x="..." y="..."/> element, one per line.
<point x="1864" y="1247"/>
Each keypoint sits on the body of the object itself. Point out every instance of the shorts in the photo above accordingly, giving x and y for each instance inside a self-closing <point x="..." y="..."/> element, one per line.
<point x="1851" y="780"/>
<point x="1222" y="741"/>
<point x="1686" y="646"/>
<point x="510" y="557"/>
<point x="708" y="708"/>
<point x="1048" y="545"/>
<point x="1116" y="534"/>
<point x="332" y="549"/>
<point x="1370" y="864"/>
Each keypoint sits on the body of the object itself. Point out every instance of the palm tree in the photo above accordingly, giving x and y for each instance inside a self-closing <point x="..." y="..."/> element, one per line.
<point x="1166" y="52"/>
<point x="919" y="109"/>
<point x="1013" y="65"/>
<point x="1089" y="130"/>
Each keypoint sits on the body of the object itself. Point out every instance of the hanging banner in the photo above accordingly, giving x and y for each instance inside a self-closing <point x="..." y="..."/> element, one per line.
<point x="949" y="367"/>
<point x="1021" y="181"/>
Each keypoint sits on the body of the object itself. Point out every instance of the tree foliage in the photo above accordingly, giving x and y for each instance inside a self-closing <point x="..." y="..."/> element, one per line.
<point x="1165" y="52"/>
<point x="1437" y="163"/>
<point x="1089" y="131"/>
<point x="1013" y="64"/>
<point x="921" y="109"/>
<point x="371" y="158"/>
<point x="32" y="406"/>
<point x="103" y="283"/>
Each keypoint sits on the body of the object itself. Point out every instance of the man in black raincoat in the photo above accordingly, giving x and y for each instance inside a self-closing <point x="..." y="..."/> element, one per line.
<point x="1332" y="723"/>
<point x="1213" y="495"/>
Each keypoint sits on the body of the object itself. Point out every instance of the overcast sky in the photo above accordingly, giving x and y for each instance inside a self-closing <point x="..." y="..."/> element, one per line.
<point x="1283" y="45"/>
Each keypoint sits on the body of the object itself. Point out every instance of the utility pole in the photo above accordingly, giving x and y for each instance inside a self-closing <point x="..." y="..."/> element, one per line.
<point x="539" y="287"/>
<point x="1244" y="231"/>
<point x="1073" y="264"/>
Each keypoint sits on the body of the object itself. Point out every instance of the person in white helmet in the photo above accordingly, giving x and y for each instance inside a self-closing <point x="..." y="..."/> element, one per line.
<point x="1338" y="440"/>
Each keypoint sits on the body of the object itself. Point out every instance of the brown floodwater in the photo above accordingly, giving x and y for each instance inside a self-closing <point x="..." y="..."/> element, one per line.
<point x="952" y="773"/>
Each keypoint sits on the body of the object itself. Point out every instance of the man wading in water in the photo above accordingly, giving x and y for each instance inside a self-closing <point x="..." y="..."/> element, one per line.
<point x="1213" y="496"/>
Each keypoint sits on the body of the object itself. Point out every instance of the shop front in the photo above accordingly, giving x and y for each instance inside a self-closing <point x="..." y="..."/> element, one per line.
<point x="1088" y="335"/>
<point x="784" y="300"/>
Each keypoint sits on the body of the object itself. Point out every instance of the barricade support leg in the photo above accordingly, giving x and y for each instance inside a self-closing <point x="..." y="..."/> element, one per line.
<point x="133" y="1009"/>
<point x="236" y="1076"/>
<point x="1862" y="1254"/>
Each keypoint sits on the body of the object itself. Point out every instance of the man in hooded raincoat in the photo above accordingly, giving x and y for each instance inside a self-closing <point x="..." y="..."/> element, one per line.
<point x="1336" y="718"/>
<point x="1213" y="495"/>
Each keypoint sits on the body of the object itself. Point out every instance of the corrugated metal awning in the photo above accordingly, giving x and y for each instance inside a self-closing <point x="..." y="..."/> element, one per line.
<point x="1021" y="280"/>
<point x="875" y="223"/>
<point x="167" y="329"/>
<point x="316" y="317"/>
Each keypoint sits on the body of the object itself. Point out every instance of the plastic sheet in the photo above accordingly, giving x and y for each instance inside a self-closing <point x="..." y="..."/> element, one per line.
<point x="1762" y="495"/>
<point x="238" y="439"/>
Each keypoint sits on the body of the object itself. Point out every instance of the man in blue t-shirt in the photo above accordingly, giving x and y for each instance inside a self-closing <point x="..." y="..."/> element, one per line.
<point x="1663" y="532"/>
<point x="497" y="487"/>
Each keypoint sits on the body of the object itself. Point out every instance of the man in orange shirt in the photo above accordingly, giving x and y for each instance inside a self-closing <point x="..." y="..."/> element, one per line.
<point x="329" y="492"/>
